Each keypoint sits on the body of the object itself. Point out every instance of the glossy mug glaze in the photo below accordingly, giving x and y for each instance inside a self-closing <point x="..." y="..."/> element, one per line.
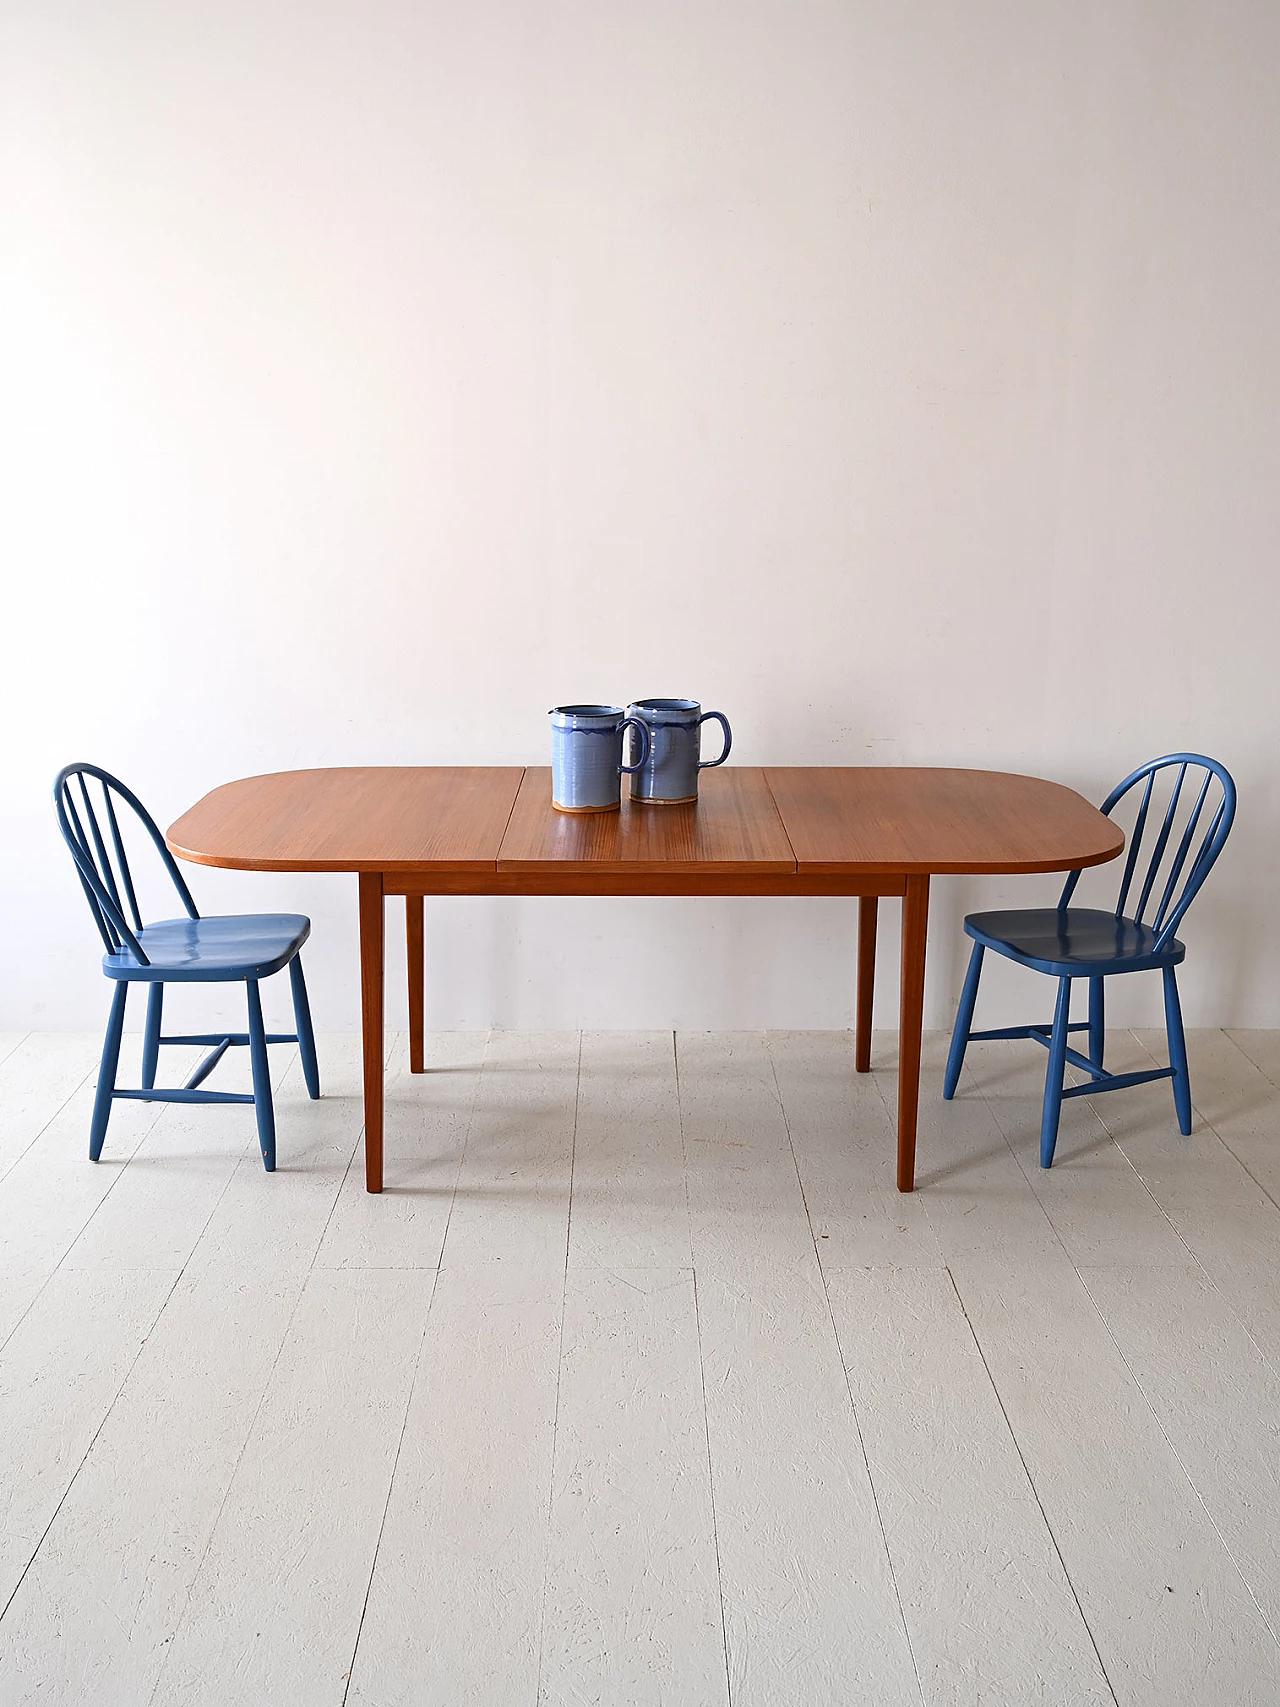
<point x="586" y="756"/>
<point x="668" y="774"/>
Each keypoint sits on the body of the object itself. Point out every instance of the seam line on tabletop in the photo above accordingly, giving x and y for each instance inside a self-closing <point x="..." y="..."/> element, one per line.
<point x="506" y="828"/>
<point x="782" y="822"/>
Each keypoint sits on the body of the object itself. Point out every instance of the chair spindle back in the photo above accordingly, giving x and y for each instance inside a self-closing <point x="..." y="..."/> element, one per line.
<point x="1183" y="872"/>
<point x="101" y="861"/>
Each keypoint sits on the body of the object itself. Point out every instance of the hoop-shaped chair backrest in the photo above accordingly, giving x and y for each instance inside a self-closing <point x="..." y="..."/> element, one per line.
<point x="104" y="868"/>
<point x="1215" y="791"/>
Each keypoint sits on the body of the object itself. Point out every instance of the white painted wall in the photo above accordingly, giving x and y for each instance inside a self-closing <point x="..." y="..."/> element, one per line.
<point x="900" y="378"/>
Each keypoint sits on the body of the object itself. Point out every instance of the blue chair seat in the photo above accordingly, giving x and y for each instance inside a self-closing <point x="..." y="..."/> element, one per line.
<point x="212" y="950"/>
<point x="1073" y="941"/>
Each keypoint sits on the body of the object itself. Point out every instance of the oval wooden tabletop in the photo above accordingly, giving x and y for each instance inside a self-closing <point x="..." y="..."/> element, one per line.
<point x="763" y="825"/>
<point x="912" y="819"/>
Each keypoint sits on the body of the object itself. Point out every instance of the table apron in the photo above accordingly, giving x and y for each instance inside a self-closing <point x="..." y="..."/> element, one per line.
<point x="626" y="883"/>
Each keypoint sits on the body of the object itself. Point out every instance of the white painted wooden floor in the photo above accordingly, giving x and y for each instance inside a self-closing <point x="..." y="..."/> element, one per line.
<point x="641" y="1384"/>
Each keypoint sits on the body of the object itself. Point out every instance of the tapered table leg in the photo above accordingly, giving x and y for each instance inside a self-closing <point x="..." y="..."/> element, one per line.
<point x="371" y="1021"/>
<point x="867" y="905"/>
<point x="915" y="920"/>
<point x="417" y="973"/>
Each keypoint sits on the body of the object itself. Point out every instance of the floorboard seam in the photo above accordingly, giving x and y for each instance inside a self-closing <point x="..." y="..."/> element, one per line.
<point x="16" y="1044"/>
<point x="161" y="1110"/>
<point x="106" y="1415"/>
<point x="555" y="1421"/>
<point x="1236" y="1158"/>
<point x="848" y="1385"/>
<point x="1035" y="1492"/>
<point x="391" y="1482"/>
<point x="702" y="1375"/>
<point x="257" y="1409"/>
<point x="37" y="1136"/>
<point x="1209" y="1281"/>
<point x="134" y="1361"/>
<point x="1177" y="1458"/>
<point x="1235" y="1044"/>
<point x="413" y="1385"/>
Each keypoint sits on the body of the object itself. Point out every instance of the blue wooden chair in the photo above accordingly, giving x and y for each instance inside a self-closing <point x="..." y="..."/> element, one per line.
<point x="192" y="950"/>
<point x="1080" y="942"/>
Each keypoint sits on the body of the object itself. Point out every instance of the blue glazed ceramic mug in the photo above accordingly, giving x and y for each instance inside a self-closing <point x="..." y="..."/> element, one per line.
<point x="586" y="756"/>
<point x="668" y="774"/>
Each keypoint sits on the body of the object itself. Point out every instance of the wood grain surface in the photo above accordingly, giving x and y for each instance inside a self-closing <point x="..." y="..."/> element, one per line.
<point x="732" y="830"/>
<point x="361" y="818"/>
<point x="484" y="828"/>
<point x="908" y="819"/>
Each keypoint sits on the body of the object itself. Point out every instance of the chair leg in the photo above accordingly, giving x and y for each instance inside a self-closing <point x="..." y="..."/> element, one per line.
<point x="1097" y="1021"/>
<point x="964" y="1020"/>
<point x="261" y="1078"/>
<point x="151" y="1036"/>
<point x="1177" y="1052"/>
<point x="302" y="1021"/>
<point x="1055" y="1074"/>
<point x="107" y="1070"/>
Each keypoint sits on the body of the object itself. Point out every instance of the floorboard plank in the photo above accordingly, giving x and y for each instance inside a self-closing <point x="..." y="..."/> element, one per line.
<point x="1236" y="1096"/>
<point x="975" y="1195"/>
<point x="1216" y="1398"/>
<point x="983" y="1587"/>
<point x="1173" y="1621"/>
<point x="275" y="1608"/>
<point x="101" y="1601"/>
<point x="1093" y="1197"/>
<point x="1260" y="1047"/>
<point x="278" y="1220"/>
<point x="426" y="1122"/>
<point x="633" y="1597"/>
<point x="36" y="1079"/>
<point x="630" y="1207"/>
<point x="1220" y="1212"/>
<point x="52" y="1192"/>
<point x="455" y="1600"/>
<point x="9" y="1041"/>
<point x="512" y="1193"/>
<point x="175" y="1178"/>
<point x="842" y="1137"/>
<point x="59" y="1376"/>
<point x="811" y="1609"/>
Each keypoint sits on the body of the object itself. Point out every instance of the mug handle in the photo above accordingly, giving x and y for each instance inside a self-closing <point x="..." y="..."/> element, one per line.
<point x="635" y="723"/>
<point x="723" y="721"/>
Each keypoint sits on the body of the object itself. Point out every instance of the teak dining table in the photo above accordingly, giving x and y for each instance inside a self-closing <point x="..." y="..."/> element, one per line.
<point x="491" y="830"/>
